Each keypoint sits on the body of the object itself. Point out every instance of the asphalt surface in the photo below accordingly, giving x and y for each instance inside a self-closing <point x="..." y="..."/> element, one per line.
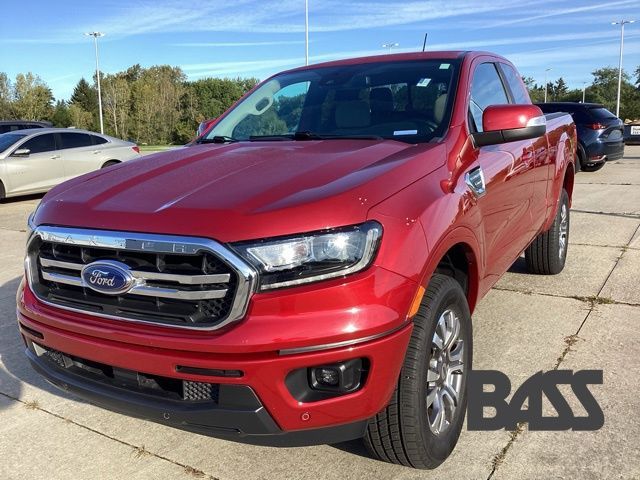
<point x="588" y="317"/>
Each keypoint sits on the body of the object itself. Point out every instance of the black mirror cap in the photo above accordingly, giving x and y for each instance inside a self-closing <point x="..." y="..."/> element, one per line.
<point x="497" y="137"/>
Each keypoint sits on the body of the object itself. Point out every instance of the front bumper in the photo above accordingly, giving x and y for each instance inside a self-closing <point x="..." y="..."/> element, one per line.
<point x="241" y="418"/>
<point x="281" y="334"/>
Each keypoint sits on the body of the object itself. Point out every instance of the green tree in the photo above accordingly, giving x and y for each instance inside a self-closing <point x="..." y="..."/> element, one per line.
<point x="80" y="118"/>
<point x="116" y="100"/>
<point x="85" y="97"/>
<point x="604" y="90"/>
<point x="32" y="98"/>
<point x="61" y="116"/>
<point x="5" y="97"/>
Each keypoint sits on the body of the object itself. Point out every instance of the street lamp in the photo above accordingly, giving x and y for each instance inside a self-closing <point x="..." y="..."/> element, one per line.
<point x="622" y="23"/>
<point x="584" y="90"/>
<point x="545" y="84"/>
<point x="390" y="46"/>
<point x="95" y="36"/>
<point x="306" y="32"/>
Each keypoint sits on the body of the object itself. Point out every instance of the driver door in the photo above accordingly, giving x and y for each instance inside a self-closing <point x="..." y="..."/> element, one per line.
<point x="508" y="177"/>
<point x="37" y="171"/>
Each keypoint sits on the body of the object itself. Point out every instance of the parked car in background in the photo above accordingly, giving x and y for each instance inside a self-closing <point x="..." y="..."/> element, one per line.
<point x="34" y="160"/>
<point x="13" y="125"/>
<point x="306" y="270"/>
<point x="632" y="133"/>
<point x="600" y="132"/>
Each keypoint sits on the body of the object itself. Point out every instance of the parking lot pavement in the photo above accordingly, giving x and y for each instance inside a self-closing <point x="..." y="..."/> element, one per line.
<point x="588" y="317"/>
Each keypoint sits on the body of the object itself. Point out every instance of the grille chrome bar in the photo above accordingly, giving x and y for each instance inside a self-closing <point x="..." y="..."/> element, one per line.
<point x="161" y="277"/>
<point x="62" y="278"/>
<point x="144" y="289"/>
<point x="241" y="283"/>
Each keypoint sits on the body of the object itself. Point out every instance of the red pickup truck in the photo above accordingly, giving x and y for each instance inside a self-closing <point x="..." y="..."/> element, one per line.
<point x="305" y="272"/>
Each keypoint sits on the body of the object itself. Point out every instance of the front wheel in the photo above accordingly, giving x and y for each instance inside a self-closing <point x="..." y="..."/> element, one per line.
<point x="421" y="425"/>
<point x="547" y="254"/>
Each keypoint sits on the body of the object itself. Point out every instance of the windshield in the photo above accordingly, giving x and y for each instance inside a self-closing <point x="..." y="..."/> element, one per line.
<point x="409" y="101"/>
<point x="8" y="139"/>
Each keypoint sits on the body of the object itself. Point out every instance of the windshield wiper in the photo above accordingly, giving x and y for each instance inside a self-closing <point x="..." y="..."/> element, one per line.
<point x="218" y="139"/>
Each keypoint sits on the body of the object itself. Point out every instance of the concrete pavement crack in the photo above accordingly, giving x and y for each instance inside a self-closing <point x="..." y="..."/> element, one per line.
<point x="609" y="214"/>
<point x="570" y="341"/>
<point x="136" y="450"/>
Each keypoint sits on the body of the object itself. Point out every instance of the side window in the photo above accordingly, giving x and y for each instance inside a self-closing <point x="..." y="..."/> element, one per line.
<point x="518" y="90"/>
<point x="98" y="140"/>
<point x="486" y="89"/>
<point x="74" y="140"/>
<point x="40" y="144"/>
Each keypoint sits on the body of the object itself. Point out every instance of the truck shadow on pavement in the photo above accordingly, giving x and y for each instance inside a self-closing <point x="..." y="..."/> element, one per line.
<point x="15" y="370"/>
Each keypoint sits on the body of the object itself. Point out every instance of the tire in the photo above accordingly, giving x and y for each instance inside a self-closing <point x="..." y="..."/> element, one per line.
<point x="110" y="163"/>
<point x="2" y="191"/>
<point x="402" y="432"/>
<point x="548" y="252"/>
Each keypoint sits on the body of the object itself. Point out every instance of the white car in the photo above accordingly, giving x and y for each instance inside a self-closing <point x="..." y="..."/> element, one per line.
<point x="35" y="160"/>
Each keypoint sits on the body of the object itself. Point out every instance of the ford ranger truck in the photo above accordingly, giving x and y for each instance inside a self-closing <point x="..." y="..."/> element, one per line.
<point x="305" y="272"/>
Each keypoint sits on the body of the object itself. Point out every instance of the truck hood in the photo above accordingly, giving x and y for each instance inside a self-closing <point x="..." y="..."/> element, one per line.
<point x="243" y="190"/>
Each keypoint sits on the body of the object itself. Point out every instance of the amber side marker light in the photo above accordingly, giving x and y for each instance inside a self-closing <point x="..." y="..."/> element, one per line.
<point x="417" y="300"/>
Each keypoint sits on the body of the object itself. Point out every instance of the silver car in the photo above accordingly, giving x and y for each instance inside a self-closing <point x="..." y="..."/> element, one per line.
<point x="37" y="159"/>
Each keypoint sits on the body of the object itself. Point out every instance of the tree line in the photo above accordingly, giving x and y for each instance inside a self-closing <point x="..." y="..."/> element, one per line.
<point x="603" y="89"/>
<point x="158" y="105"/>
<point x="155" y="105"/>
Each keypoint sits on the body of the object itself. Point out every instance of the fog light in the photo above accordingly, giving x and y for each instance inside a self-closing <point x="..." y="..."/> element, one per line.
<point x="328" y="376"/>
<point x="343" y="377"/>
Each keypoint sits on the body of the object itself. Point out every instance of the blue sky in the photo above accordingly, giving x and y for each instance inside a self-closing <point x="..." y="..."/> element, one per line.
<point x="260" y="37"/>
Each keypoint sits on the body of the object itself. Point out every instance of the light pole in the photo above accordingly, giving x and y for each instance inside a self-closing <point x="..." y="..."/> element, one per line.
<point x="95" y="36"/>
<point x="390" y="46"/>
<point x="584" y="91"/>
<point x="622" y="23"/>
<point x="306" y="32"/>
<point x="545" y="84"/>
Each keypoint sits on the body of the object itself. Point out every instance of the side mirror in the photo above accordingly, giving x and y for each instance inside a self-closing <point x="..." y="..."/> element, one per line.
<point x="21" y="152"/>
<point x="510" y="123"/>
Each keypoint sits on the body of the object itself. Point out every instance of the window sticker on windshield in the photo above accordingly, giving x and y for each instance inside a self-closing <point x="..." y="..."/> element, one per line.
<point x="423" y="82"/>
<point x="444" y="66"/>
<point x="405" y="132"/>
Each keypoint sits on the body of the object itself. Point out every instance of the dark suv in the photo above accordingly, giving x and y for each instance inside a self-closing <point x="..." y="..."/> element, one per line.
<point x="12" y="125"/>
<point x="599" y="132"/>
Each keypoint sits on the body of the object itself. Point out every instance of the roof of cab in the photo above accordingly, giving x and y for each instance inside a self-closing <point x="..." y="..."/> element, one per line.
<point x="398" y="57"/>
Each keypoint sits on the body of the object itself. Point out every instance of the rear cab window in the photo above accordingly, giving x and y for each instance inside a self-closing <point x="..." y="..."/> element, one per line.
<point x="518" y="90"/>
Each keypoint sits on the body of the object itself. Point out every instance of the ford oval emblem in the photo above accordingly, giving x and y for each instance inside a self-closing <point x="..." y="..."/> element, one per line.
<point x="108" y="277"/>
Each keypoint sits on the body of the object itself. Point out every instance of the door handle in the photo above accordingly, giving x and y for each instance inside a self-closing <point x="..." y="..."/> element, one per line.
<point x="475" y="181"/>
<point x="54" y="157"/>
<point x="96" y="151"/>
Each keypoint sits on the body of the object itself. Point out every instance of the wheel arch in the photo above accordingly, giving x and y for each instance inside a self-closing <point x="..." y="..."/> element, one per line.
<point x="458" y="256"/>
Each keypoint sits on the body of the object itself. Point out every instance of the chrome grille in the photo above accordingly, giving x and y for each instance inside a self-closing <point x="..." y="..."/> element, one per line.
<point x="179" y="281"/>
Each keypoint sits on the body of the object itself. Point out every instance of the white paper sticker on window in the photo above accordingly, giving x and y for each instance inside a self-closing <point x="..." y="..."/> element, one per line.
<point x="444" y="66"/>
<point x="405" y="132"/>
<point x="423" y="82"/>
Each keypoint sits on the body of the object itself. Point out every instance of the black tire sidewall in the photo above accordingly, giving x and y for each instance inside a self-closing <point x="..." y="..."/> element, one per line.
<point x="449" y="295"/>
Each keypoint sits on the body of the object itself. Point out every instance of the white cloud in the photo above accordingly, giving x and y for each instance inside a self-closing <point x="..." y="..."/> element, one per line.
<point x="237" y="44"/>
<point x="562" y="12"/>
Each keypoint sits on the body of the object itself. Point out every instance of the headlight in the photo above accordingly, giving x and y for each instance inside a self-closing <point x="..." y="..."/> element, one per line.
<point x="30" y="222"/>
<point x="284" y="262"/>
